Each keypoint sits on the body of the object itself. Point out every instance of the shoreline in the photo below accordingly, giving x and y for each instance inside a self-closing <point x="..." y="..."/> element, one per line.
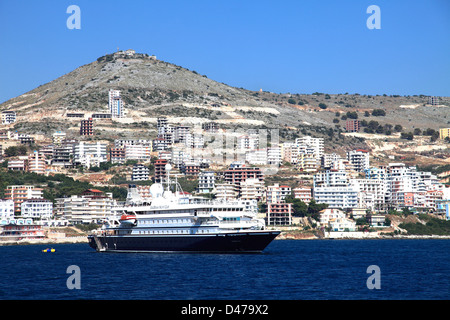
<point x="284" y="236"/>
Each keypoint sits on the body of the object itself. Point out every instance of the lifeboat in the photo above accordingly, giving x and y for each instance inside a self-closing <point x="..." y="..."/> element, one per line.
<point x="128" y="219"/>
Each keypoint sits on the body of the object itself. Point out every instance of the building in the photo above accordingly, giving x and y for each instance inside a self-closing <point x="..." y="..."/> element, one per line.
<point x="160" y="170"/>
<point x="210" y="127"/>
<point x="37" y="209"/>
<point x="331" y="178"/>
<point x="161" y="144"/>
<point x="279" y="214"/>
<point x="206" y="181"/>
<point x="190" y="169"/>
<point x="444" y="133"/>
<point x="140" y="152"/>
<point x="330" y="161"/>
<point x="37" y="163"/>
<point x="277" y="193"/>
<point x="359" y="159"/>
<point x="140" y="173"/>
<point x="18" y="164"/>
<point x="352" y="125"/>
<point x="89" y="154"/>
<point x="307" y="143"/>
<point x="274" y="156"/>
<point x="443" y="208"/>
<point x="248" y="142"/>
<point x="235" y="175"/>
<point x="91" y="206"/>
<point x="8" y="117"/>
<point x="6" y="211"/>
<point x="256" y="157"/>
<point x="307" y="163"/>
<point x="226" y="191"/>
<point x="181" y="133"/>
<point x="337" y="197"/>
<point x="376" y="220"/>
<point x="434" y="101"/>
<point x="372" y="193"/>
<point x="342" y="224"/>
<point x="326" y="215"/>
<point x="58" y="137"/>
<point x="20" y="229"/>
<point x="87" y="127"/>
<point x="115" y="104"/>
<point x="304" y="194"/>
<point x="117" y="155"/>
<point x="251" y="189"/>
<point x="20" y="193"/>
<point x="63" y="155"/>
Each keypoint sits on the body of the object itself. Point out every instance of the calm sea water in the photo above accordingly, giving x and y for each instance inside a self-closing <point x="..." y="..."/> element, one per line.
<point x="286" y="270"/>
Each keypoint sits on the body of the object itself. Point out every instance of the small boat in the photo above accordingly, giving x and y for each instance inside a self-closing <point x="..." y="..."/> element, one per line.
<point x="49" y="250"/>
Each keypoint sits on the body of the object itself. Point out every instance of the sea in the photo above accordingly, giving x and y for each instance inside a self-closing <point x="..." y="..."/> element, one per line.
<point x="400" y="269"/>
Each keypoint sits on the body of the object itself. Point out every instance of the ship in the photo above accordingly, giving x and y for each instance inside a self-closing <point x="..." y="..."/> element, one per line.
<point x="176" y="222"/>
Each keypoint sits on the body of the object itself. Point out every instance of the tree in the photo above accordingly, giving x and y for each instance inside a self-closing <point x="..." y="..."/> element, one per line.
<point x="398" y="128"/>
<point x="407" y="136"/>
<point x="378" y="112"/>
<point x="322" y="105"/>
<point x="352" y="115"/>
<point x="299" y="207"/>
<point x="314" y="208"/>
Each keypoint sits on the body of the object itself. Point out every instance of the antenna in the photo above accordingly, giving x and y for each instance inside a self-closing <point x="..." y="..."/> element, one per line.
<point x="168" y="167"/>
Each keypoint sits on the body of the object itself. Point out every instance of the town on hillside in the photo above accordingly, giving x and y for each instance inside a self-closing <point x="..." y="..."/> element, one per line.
<point x="288" y="183"/>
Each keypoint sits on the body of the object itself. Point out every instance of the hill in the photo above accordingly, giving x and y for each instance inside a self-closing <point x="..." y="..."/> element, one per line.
<point x="151" y="87"/>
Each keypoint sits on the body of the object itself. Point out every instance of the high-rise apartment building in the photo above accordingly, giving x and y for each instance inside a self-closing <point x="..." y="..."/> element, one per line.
<point x="115" y="104"/>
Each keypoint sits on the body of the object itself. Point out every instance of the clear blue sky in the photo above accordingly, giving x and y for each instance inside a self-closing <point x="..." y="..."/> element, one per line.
<point x="279" y="46"/>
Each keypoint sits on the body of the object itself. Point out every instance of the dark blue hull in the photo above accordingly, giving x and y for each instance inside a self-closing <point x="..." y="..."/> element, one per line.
<point x="250" y="242"/>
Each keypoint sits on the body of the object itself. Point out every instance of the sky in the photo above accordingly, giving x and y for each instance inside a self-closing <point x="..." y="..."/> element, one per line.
<point x="284" y="46"/>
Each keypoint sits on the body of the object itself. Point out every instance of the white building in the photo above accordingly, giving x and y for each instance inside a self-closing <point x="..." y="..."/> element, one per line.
<point x="140" y="173"/>
<point x="58" y="137"/>
<point x="337" y="197"/>
<point x="37" y="209"/>
<point x="331" y="178"/>
<point x="342" y="224"/>
<point x="304" y="194"/>
<point x="359" y="159"/>
<point x="115" y="104"/>
<point x="315" y="143"/>
<point x="226" y="191"/>
<point x="85" y="208"/>
<point x="372" y="193"/>
<point x="256" y="157"/>
<point x="181" y="133"/>
<point x="89" y="154"/>
<point x="277" y="193"/>
<point x="329" y="160"/>
<point x="248" y="142"/>
<point x="252" y="189"/>
<point x="329" y="214"/>
<point x="274" y="156"/>
<point x="6" y="211"/>
<point x="138" y="152"/>
<point x="206" y="181"/>
<point x="8" y="117"/>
